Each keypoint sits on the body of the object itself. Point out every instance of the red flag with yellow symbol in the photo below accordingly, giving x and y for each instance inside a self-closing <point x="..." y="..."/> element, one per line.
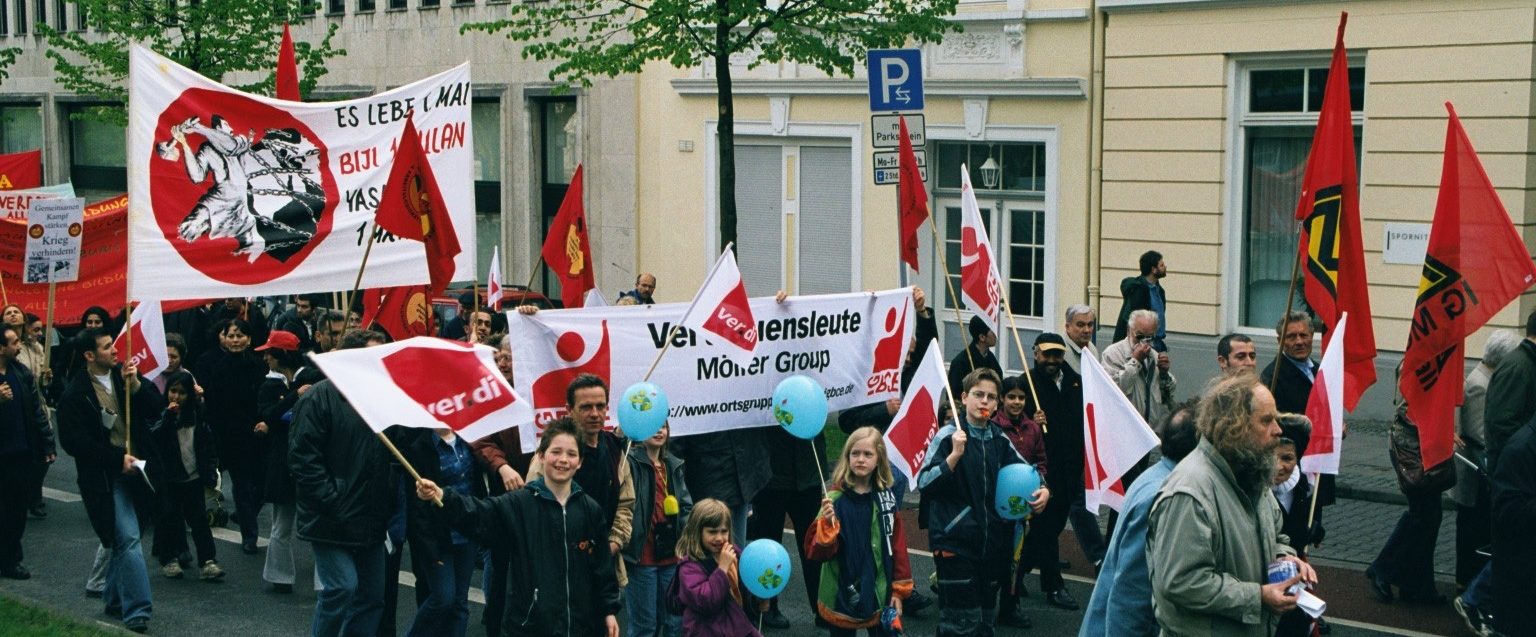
<point x="567" y="248"/>
<point x="412" y="207"/>
<point x="401" y="312"/>
<point x="1476" y="263"/>
<point x="1329" y="210"/>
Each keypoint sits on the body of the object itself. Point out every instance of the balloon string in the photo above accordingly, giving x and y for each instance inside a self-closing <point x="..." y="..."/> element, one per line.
<point x="819" y="472"/>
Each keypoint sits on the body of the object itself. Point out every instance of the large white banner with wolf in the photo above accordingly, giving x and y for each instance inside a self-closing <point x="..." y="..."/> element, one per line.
<point x="234" y="194"/>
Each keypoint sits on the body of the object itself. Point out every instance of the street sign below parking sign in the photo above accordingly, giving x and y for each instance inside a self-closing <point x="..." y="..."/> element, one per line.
<point x="895" y="80"/>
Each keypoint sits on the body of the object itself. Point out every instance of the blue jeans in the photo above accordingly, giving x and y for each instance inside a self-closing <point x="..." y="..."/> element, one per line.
<point x="645" y="602"/>
<point x="739" y="523"/>
<point x="351" y="597"/>
<point x="445" y="611"/>
<point x="1479" y="592"/>
<point x="127" y="578"/>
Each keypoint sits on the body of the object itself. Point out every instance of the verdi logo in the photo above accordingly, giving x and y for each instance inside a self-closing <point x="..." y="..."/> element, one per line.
<point x="451" y="384"/>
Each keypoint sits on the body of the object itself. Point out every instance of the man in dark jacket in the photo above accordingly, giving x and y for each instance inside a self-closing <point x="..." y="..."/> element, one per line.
<point x="977" y="355"/>
<point x="729" y="466"/>
<point x="1292" y="385"/>
<point x="1061" y="398"/>
<point x="26" y="443"/>
<point x="1514" y="523"/>
<point x="300" y="321"/>
<point x="1144" y="292"/>
<point x="108" y="473"/>
<point x="344" y="484"/>
<point x="1511" y="394"/>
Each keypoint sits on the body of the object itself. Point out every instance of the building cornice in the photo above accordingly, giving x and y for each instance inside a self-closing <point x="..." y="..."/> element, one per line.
<point x="1111" y="6"/>
<point x="1038" y="87"/>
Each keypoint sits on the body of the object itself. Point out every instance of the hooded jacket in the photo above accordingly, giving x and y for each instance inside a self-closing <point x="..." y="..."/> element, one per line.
<point x="643" y="475"/>
<point x="961" y="518"/>
<point x="561" y="577"/>
<point x="876" y="537"/>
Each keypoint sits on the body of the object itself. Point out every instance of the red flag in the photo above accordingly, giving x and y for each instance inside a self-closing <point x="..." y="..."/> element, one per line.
<point x="1325" y="407"/>
<point x="912" y="197"/>
<point x="401" y="312"/>
<point x="567" y="250"/>
<point x="413" y="208"/>
<point x="20" y="171"/>
<point x="1476" y="264"/>
<point x="981" y="288"/>
<point x="287" y="70"/>
<point x="1329" y="210"/>
<point x="147" y="325"/>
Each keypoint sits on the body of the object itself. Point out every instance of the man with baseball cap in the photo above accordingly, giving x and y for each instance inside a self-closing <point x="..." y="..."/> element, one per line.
<point x="976" y="355"/>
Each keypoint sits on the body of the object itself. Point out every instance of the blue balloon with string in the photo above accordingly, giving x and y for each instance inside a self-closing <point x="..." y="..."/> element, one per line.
<point x="800" y="405"/>
<point x="764" y="568"/>
<point x="1016" y="486"/>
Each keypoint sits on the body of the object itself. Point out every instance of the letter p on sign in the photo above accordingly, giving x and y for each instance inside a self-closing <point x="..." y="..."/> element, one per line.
<point x="895" y="80"/>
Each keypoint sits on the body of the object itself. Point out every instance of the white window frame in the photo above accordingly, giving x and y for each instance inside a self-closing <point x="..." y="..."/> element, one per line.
<point x="1236" y="168"/>
<point x="1048" y="135"/>
<point x="795" y="134"/>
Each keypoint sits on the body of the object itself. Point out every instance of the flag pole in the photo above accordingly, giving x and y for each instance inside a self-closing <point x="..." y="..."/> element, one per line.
<point x="127" y="391"/>
<point x="1029" y="378"/>
<point x="48" y="326"/>
<point x="538" y="263"/>
<point x="404" y="463"/>
<point x="1290" y="298"/>
<point x="358" y="282"/>
<point x="673" y="332"/>
<point x="1312" y="508"/>
<point x="5" y="297"/>
<point x="938" y="246"/>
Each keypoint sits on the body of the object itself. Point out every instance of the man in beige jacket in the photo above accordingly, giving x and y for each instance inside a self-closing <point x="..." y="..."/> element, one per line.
<point x="1213" y="530"/>
<point x="1142" y="372"/>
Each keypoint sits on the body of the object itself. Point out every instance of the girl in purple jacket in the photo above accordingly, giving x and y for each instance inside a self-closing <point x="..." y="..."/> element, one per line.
<point x="708" y="584"/>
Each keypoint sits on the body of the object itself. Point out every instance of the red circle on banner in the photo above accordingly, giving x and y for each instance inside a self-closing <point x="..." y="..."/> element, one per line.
<point x="241" y="189"/>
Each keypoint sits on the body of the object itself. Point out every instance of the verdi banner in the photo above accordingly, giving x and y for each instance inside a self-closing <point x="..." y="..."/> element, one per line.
<point x="853" y="344"/>
<point x="235" y="194"/>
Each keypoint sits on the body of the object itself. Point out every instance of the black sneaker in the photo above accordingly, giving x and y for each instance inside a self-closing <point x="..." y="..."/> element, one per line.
<point x="137" y="624"/>
<point x="1061" y="599"/>
<point x="15" y="571"/>
<point x="916" y="603"/>
<point x="775" y="619"/>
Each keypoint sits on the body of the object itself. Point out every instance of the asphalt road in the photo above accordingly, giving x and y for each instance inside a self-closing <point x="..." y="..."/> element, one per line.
<point x="59" y="550"/>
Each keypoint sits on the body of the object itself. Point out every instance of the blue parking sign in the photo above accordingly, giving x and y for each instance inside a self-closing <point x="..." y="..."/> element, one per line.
<point x="895" y="80"/>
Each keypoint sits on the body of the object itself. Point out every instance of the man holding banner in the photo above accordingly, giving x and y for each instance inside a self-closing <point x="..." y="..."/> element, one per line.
<point x="95" y="427"/>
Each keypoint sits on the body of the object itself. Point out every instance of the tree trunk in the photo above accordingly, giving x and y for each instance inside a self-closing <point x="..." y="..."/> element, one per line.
<point x="726" y="128"/>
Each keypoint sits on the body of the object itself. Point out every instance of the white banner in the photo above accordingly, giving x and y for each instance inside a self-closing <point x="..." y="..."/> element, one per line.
<point x="54" y="227"/>
<point x="234" y="194"/>
<point x="853" y="344"/>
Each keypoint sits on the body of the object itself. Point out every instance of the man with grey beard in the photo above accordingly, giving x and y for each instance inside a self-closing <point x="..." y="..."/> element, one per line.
<point x="1213" y="531"/>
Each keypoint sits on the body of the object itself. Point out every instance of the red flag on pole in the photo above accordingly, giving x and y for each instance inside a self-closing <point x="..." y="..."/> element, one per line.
<point x="981" y="289"/>
<point x="401" y="312"/>
<point x="148" y="338"/>
<point x="287" y="70"/>
<point x="567" y="249"/>
<point x="412" y="207"/>
<point x="1325" y="407"/>
<point x="912" y="197"/>
<point x="917" y="421"/>
<point x="720" y="307"/>
<point x="1476" y="263"/>
<point x="1330" y="246"/>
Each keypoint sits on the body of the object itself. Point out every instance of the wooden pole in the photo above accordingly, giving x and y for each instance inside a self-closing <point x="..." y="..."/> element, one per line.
<point x="5" y="297"/>
<point x="358" y="282"/>
<point x="405" y="463"/>
<point x="537" y="263"/>
<point x="938" y="245"/>
<point x="1029" y="379"/>
<point x="48" y="327"/>
<point x="127" y="390"/>
<point x="1290" y="297"/>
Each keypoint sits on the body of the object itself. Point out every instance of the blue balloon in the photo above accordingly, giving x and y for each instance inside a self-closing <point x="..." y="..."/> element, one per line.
<point x="1016" y="485"/>
<point x="800" y="405"/>
<point x="764" y="568"/>
<point x="642" y="411"/>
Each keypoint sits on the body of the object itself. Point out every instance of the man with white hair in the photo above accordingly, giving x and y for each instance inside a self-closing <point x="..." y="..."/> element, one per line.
<point x="1140" y="370"/>
<point x="1214" y="529"/>
<point x="1080" y="324"/>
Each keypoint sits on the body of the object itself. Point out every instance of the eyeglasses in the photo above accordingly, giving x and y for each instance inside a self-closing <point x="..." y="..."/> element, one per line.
<point x="981" y="395"/>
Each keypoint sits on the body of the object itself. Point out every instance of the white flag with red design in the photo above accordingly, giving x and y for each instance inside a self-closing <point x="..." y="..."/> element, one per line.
<point x="1325" y="407"/>
<point x="915" y="423"/>
<point x="493" y="291"/>
<point x="720" y="308"/>
<point x="980" y="287"/>
<point x="426" y="382"/>
<point x="1115" y="437"/>
<point x="148" y="351"/>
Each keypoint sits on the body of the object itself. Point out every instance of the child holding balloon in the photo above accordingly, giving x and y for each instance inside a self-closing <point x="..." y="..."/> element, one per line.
<point x="708" y="584"/>
<point x="970" y="538"/>
<point x="862" y="586"/>
<point x="1022" y="429"/>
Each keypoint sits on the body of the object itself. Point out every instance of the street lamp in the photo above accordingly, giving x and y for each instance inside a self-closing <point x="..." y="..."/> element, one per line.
<point x="989" y="173"/>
